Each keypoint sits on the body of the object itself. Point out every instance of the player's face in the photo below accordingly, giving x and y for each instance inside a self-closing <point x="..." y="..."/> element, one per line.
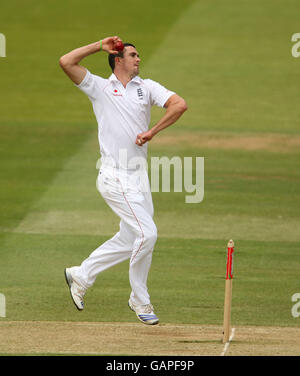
<point x="131" y="61"/>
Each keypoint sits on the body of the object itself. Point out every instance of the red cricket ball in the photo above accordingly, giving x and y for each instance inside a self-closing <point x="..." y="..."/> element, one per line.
<point x="119" y="46"/>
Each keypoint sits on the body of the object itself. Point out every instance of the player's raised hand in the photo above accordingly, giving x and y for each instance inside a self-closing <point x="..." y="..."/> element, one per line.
<point x="110" y="44"/>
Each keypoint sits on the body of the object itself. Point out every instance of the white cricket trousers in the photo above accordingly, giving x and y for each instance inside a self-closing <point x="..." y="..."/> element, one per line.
<point x="136" y="237"/>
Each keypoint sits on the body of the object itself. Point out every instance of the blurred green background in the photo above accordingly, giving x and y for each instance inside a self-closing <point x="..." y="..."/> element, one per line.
<point x="232" y="63"/>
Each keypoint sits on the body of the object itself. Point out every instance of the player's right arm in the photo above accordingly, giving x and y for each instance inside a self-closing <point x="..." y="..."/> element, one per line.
<point x="70" y="61"/>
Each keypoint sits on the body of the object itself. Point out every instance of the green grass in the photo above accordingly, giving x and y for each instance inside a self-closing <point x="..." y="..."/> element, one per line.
<point x="232" y="63"/>
<point x="186" y="281"/>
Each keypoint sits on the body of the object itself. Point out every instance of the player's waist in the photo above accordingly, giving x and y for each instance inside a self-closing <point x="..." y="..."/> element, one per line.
<point x="122" y="165"/>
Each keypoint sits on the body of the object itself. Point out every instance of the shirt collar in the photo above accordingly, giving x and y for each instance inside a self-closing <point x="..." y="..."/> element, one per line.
<point x="135" y="79"/>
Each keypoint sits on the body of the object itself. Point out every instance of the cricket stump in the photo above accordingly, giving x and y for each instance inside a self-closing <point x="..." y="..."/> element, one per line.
<point x="228" y="292"/>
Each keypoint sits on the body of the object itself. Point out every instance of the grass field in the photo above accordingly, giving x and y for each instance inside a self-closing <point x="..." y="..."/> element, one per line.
<point x="232" y="63"/>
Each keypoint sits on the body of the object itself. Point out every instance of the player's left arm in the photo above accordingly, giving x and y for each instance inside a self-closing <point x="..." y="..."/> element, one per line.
<point x="175" y="107"/>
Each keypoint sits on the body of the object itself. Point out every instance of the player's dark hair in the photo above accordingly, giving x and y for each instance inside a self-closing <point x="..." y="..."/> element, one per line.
<point x="111" y="57"/>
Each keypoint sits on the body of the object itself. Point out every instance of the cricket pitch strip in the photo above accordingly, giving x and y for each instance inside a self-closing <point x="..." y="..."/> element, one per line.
<point x="88" y="338"/>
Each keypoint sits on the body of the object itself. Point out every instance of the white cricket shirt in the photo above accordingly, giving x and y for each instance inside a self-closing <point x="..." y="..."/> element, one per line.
<point x="122" y="113"/>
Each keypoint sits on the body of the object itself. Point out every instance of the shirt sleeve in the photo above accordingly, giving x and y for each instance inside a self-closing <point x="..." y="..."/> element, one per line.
<point x="91" y="85"/>
<point x="158" y="93"/>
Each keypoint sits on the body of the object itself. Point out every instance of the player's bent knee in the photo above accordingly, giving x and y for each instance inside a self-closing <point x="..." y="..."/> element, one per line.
<point x="150" y="236"/>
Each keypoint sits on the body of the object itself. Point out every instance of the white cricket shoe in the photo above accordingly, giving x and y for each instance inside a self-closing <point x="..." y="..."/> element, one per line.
<point x="77" y="291"/>
<point x="144" y="313"/>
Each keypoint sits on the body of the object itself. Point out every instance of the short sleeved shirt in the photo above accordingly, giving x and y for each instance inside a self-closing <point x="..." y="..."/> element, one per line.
<point x="122" y="113"/>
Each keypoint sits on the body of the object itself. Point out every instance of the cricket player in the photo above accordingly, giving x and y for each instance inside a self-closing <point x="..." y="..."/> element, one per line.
<point x="122" y="105"/>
